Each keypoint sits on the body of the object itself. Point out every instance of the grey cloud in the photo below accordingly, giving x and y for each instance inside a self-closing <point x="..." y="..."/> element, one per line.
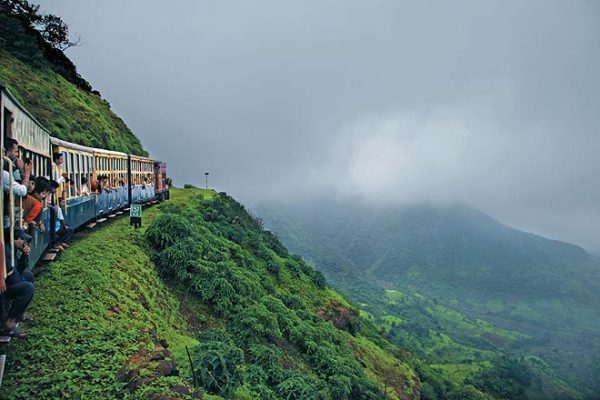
<point x="494" y="103"/>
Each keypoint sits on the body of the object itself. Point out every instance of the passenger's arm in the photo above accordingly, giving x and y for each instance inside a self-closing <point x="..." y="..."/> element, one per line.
<point x="23" y="262"/>
<point x="17" y="188"/>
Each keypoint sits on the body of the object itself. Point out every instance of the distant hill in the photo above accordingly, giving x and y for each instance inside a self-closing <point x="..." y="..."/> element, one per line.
<point x="462" y="259"/>
<point x="55" y="94"/>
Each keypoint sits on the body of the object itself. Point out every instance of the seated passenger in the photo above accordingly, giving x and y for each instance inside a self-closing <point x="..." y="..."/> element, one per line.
<point x="106" y="184"/>
<point x="73" y="192"/>
<point x="63" y="232"/>
<point x="56" y="244"/>
<point x="32" y="205"/>
<point x="103" y="184"/>
<point x="85" y="191"/>
<point x="17" y="285"/>
<point x="18" y="189"/>
<point x="11" y="150"/>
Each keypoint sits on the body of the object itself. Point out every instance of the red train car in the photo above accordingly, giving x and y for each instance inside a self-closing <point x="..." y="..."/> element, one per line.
<point x="161" y="182"/>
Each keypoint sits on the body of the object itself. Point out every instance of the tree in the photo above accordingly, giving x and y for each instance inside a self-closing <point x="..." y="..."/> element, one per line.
<point x="50" y="27"/>
<point x="54" y="31"/>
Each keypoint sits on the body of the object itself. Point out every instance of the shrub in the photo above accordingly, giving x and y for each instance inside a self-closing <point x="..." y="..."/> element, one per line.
<point x="296" y="388"/>
<point x="167" y="229"/>
<point x="273" y="267"/>
<point x="257" y="322"/>
<point x="215" y="361"/>
<point x="318" y="279"/>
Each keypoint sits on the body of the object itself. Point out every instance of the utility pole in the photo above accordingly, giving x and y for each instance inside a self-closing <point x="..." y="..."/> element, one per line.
<point x="206" y="179"/>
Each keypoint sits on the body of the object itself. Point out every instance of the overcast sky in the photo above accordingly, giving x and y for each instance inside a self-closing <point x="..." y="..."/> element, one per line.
<point x="492" y="103"/>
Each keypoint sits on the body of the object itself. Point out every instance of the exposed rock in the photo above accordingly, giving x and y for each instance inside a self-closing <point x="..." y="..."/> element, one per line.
<point x="146" y="366"/>
<point x="342" y="317"/>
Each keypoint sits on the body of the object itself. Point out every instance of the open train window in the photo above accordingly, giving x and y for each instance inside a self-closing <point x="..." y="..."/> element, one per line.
<point x="8" y="120"/>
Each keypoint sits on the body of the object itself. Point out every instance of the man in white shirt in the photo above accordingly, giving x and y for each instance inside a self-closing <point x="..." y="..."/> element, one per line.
<point x="11" y="149"/>
<point x="21" y="171"/>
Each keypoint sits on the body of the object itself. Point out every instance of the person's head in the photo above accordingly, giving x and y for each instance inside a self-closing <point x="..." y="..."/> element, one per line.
<point x="21" y="237"/>
<point x="42" y="188"/>
<point x="84" y="180"/>
<point x="53" y="186"/>
<point x="11" y="148"/>
<point x="57" y="158"/>
<point x="62" y="202"/>
<point x="31" y="185"/>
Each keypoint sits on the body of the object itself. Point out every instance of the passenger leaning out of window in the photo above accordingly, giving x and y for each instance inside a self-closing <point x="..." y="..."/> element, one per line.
<point x="33" y="204"/>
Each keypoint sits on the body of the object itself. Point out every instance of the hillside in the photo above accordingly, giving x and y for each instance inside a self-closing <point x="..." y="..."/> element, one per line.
<point x="259" y="323"/>
<point x="68" y="111"/>
<point x="440" y="270"/>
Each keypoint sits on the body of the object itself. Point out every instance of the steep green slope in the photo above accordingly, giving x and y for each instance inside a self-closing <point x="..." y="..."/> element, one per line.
<point x="450" y="261"/>
<point x="279" y="331"/>
<point x="69" y="112"/>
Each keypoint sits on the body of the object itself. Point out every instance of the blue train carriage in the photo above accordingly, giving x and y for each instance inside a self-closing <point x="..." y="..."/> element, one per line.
<point x="141" y="179"/>
<point x="78" y="167"/>
<point x="113" y="197"/>
<point x="34" y="142"/>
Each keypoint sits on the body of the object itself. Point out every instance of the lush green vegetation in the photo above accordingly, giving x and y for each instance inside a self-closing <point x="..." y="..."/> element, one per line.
<point x="278" y="331"/>
<point x="94" y="309"/>
<point x="259" y="323"/>
<point x="459" y="289"/>
<point x="67" y="111"/>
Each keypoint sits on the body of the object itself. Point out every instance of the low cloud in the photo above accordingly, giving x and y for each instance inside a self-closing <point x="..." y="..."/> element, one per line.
<point x="495" y="103"/>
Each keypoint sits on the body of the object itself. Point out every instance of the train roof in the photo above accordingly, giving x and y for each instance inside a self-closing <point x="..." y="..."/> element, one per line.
<point x="133" y="156"/>
<point x="78" y="147"/>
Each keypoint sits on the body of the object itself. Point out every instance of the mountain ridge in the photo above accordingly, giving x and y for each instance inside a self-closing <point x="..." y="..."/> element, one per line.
<point x="461" y="257"/>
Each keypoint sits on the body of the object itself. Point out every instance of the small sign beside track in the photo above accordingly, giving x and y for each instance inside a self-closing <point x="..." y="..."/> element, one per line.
<point x="135" y="215"/>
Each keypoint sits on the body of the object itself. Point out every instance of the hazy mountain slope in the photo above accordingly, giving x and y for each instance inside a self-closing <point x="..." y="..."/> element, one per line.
<point x="69" y="112"/>
<point x="545" y="289"/>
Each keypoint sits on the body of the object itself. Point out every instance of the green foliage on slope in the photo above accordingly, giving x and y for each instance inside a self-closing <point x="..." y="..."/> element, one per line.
<point x="458" y="288"/>
<point x="94" y="309"/>
<point x="103" y="312"/>
<point x="67" y="111"/>
<point x="280" y="331"/>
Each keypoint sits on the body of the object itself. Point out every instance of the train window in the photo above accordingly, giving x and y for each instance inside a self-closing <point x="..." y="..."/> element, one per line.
<point x="8" y="120"/>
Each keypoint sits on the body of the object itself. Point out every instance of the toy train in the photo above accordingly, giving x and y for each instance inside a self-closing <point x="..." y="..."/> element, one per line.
<point x="133" y="179"/>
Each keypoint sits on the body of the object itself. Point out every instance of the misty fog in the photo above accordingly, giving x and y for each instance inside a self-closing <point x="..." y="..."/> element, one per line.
<point x="496" y="104"/>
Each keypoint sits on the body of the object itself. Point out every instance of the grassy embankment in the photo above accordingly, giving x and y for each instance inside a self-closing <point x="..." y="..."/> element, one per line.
<point x="94" y="309"/>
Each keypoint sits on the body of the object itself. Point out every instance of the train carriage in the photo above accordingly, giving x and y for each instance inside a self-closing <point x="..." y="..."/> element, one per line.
<point x="78" y="164"/>
<point x="113" y="165"/>
<point x="34" y="143"/>
<point x="141" y="171"/>
<point x="161" y="183"/>
<point x="131" y="179"/>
